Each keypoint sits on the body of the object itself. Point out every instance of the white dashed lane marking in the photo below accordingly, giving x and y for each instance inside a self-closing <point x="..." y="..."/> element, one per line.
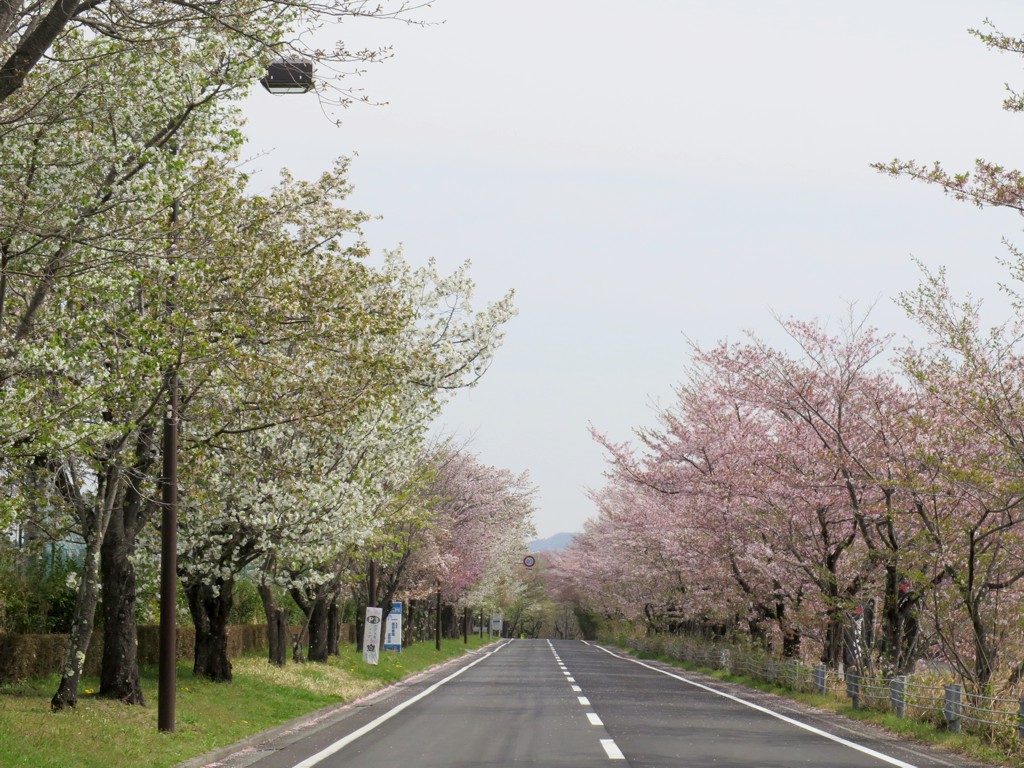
<point x="614" y="753"/>
<point x="610" y="747"/>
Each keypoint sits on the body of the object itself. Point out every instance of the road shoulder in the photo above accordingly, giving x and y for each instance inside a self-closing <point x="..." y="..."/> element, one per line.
<point x="262" y="747"/>
<point x="860" y="731"/>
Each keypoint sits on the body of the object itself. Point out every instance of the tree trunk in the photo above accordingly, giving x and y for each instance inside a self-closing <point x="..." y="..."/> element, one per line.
<point x="94" y="519"/>
<point x="119" y="672"/>
<point x="358" y="626"/>
<point x="986" y="652"/>
<point x="81" y="629"/>
<point x="281" y="640"/>
<point x="277" y="627"/>
<point x="832" y="653"/>
<point x="318" y="630"/>
<point x="791" y="640"/>
<point x="899" y="623"/>
<point x="314" y="606"/>
<point x="409" y="630"/>
<point x="210" y="608"/>
<point x="450" y="621"/>
<point x="333" y="628"/>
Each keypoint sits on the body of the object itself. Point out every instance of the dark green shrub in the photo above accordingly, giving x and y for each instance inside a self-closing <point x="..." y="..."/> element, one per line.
<point x="246" y="605"/>
<point x="37" y="589"/>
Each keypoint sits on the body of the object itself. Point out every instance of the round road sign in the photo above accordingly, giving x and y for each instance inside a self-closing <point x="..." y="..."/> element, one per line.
<point x="529" y="561"/>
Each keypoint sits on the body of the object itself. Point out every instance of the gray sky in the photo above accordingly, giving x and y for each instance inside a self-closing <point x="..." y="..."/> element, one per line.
<point x="650" y="171"/>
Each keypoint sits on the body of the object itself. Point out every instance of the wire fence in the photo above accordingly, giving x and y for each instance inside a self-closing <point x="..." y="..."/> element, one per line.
<point x="930" y="697"/>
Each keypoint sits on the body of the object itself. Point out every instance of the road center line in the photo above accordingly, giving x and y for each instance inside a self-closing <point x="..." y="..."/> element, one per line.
<point x="345" y="741"/>
<point x="832" y="737"/>
<point x="614" y="753"/>
<point x="609" y="745"/>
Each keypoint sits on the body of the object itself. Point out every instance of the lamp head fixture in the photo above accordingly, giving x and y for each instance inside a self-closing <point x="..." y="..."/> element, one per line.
<point x="288" y="76"/>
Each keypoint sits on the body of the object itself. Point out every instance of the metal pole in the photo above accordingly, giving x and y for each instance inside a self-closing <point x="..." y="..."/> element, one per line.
<point x="371" y="588"/>
<point x="853" y="688"/>
<point x="898" y="695"/>
<point x="437" y="628"/>
<point x="820" y="680"/>
<point x="952" y="707"/>
<point x="169" y="562"/>
<point x="371" y="599"/>
<point x="168" y="659"/>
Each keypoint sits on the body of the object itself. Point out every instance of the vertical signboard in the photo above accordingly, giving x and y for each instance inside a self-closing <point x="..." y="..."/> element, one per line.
<point x="497" y="623"/>
<point x="371" y="635"/>
<point x="393" y="629"/>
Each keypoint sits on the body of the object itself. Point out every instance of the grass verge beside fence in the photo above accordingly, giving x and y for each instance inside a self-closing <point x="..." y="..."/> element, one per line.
<point x="107" y="734"/>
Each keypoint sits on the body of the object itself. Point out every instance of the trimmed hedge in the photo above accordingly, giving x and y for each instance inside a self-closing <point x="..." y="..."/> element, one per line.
<point x="23" y="657"/>
<point x="26" y="657"/>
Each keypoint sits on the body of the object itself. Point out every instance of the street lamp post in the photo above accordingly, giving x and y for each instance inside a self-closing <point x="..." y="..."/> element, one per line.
<point x="282" y="77"/>
<point x="167" y="677"/>
<point x="437" y="619"/>
<point x="169" y="561"/>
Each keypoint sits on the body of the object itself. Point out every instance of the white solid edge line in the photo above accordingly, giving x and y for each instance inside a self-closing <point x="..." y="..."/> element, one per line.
<point x="614" y="753"/>
<point x="345" y="741"/>
<point x="777" y="715"/>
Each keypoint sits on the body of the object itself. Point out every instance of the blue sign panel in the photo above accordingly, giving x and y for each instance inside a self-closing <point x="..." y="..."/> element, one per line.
<point x="393" y="629"/>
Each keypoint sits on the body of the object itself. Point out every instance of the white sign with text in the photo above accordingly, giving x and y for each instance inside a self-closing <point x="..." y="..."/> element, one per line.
<point x="371" y="635"/>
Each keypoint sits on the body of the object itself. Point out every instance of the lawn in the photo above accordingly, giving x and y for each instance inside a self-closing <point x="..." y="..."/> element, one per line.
<point x="106" y="734"/>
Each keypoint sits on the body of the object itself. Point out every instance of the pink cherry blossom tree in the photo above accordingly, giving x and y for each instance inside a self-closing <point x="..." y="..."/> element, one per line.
<point x="776" y="485"/>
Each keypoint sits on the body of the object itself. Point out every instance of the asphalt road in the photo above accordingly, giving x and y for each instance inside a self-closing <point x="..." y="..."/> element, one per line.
<point x="569" y="704"/>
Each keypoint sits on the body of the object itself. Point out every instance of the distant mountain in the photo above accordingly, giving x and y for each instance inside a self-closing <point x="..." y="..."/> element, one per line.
<point x="555" y="543"/>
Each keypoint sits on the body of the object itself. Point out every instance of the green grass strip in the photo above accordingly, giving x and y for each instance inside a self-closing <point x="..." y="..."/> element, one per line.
<point x="105" y="734"/>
